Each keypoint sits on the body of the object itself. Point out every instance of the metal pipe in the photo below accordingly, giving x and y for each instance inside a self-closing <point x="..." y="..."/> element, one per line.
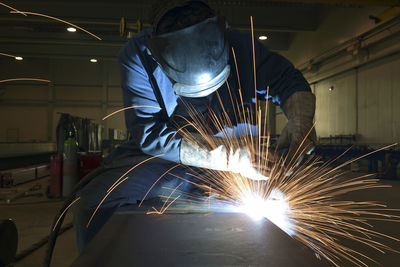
<point x="336" y="51"/>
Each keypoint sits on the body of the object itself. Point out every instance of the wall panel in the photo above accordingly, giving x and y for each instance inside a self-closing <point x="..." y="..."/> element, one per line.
<point x="115" y="94"/>
<point x="379" y="98"/>
<point x="79" y="93"/>
<point x="23" y="91"/>
<point x="81" y="72"/>
<point x="23" y="124"/>
<point x="113" y="73"/>
<point x="364" y="102"/>
<point x="336" y="108"/>
<point x="28" y="68"/>
<point x="29" y="110"/>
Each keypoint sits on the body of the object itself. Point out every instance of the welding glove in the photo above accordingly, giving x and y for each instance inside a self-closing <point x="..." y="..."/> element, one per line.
<point x="299" y="109"/>
<point x="221" y="158"/>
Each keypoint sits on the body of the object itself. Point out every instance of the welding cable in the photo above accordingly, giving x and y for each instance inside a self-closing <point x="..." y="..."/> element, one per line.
<point x="26" y="252"/>
<point x="55" y="228"/>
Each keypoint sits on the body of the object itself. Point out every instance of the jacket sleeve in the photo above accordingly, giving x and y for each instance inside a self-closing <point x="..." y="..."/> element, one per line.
<point x="279" y="74"/>
<point x="273" y="70"/>
<point x="150" y="129"/>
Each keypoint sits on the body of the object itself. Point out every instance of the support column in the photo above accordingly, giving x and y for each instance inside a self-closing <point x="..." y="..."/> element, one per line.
<point x="104" y="102"/>
<point x="50" y="102"/>
<point x="356" y="103"/>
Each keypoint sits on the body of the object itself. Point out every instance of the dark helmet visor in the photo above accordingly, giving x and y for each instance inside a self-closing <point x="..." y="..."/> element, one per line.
<point x="195" y="58"/>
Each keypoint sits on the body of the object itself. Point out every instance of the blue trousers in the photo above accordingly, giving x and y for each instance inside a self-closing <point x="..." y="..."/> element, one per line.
<point x="129" y="192"/>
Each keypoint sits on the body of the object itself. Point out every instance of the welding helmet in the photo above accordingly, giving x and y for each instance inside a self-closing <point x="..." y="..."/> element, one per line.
<point x="194" y="58"/>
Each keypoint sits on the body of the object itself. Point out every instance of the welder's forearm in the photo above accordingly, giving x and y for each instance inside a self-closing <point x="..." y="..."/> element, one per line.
<point x="157" y="139"/>
<point x="193" y="154"/>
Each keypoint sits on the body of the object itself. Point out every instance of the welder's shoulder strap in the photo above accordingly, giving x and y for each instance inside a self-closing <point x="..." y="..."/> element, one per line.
<point x="134" y="53"/>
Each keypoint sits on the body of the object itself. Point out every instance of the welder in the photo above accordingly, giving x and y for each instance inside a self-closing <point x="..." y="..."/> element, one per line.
<point x="185" y="59"/>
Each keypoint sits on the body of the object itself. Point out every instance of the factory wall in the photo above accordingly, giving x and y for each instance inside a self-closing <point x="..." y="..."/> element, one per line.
<point x="339" y="25"/>
<point x="365" y="87"/>
<point x="29" y="111"/>
<point x="364" y="102"/>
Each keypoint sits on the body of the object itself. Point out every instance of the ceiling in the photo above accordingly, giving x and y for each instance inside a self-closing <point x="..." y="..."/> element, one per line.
<point x="37" y="36"/>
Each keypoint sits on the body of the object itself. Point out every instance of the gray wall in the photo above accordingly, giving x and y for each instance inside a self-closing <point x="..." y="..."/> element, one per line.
<point x="338" y="26"/>
<point x="29" y="110"/>
<point x="365" y="102"/>
<point x="366" y="92"/>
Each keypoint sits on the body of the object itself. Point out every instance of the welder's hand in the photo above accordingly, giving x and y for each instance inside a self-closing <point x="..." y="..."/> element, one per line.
<point x="233" y="158"/>
<point x="299" y="110"/>
<point x="243" y="161"/>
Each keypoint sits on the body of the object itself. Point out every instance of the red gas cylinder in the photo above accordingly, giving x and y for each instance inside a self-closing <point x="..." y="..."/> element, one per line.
<point x="89" y="162"/>
<point x="55" y="175"/>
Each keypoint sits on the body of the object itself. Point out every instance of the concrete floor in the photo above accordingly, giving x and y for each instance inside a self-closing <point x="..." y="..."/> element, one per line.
<point x="390" y="196"/>
<point x="34" y="215"/>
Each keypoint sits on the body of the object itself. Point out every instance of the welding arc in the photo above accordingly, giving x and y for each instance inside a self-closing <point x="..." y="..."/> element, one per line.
<point x="16" y="10"/>
<point x="25" y="79"/>
<point x="57" y="19"/>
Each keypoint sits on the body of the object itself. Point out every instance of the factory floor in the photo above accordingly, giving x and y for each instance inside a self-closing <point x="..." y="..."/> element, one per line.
<point x="33" y="216"/>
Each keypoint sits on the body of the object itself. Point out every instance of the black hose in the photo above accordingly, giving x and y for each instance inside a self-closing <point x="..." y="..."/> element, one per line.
<point x="53" y="234"/>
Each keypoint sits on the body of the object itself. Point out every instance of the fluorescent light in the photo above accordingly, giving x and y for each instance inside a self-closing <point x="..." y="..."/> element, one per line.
<point x="71" y="29"/>
<point x="93" y="60"/>
<point x="263" y="37"/>
<point x="19" y="58"/>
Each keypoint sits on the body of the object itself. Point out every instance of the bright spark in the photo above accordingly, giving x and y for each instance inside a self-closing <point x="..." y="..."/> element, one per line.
<point x="274" y="208"/>
<point x="64" y="211"/>
<point x="8" y="55"/>
<point x="25" y="79"/>
<point x="128" y="108"/>
<point x="16" y="10"/>
<point x="56" y="19"/>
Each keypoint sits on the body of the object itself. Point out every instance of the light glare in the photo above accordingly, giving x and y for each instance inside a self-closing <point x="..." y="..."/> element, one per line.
<point x="19" y="58"/>
<point x="203" y="78"/>
<point x="71" y="29"/>
<point x="93" y="60"/>
<point x="263" y="37"/>
<point x="275" y="208"/>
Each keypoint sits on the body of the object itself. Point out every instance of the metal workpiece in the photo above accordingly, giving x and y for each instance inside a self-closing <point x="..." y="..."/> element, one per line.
<point x="193" y="239"/>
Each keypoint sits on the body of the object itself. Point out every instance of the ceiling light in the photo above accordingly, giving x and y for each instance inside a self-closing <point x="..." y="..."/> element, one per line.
<point x="19" y="58"/>
<point x="93" y="60"/>
<point x="71" y="29"/>
<point x="331" y="88"/>
<point x="263" y="37"/>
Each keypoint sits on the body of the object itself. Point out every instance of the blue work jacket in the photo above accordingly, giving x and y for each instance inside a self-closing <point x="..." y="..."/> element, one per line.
<point x="149" y="90"/>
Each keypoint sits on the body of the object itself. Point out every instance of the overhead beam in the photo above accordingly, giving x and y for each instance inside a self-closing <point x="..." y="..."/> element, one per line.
<point x="327" y="2"/>
<point x="147" y="4"/>
<point x="268" y="15"/>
